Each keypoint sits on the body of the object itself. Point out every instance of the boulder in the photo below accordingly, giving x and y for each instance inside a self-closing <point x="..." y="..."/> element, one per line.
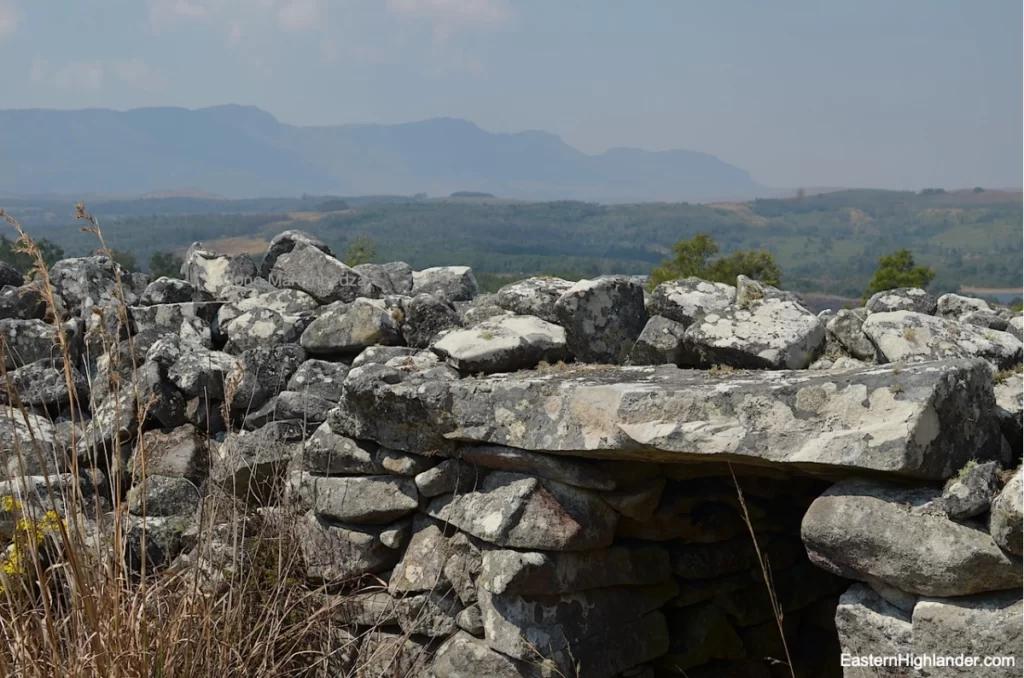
<point x="519" y="511"/>
<point x="424" y="316"/>
<point x="954" y="306"/>
<point x="285" y="242"/>
<point x="986" y="319"/>
<point x="90" y="282"/>
<point x="164" y="496"/>
<point x="970" y="492"/>
<point x="765" y="333"/>
<point x="858" y="529"/>
<point x="1015" y="326"/>
<point x="977" y="627"/>
<point x="213" y="273"/>
<point x="287" y="302"/>
<point x="252" y="465"/>
<point x="451" y="476"/>
<point x="869" y="626"/>
<point x="338" y="553"/>
<point x="503" y="345"/>
<point x="10" y="275"/>
<point x="262" y="328"/>
<point x="940" y="416"/>
<point x="576" y="472"/>
<point x="1007" y="520"/>
<point x="166" y="290"/>
<point x="379" y="355"/>
<point x="448" y="283"/>
<point x="364" y="500"/>
<point x="911" y="299"/>
<point x="45" y="384"/>
<point x="847" y="329"/>
<point x="179" y="453"/>
<point x="1009" y="390"/>
<point x="400" y="275"/>
<point x="686" y="301"/>
<point x="163" y="403"/>
<point x="533" y="296"/>
<point x="202" y="373"/>
<point x="27" y="341"/>
<point x="306" y="407"/>
<point x="403" y="463"/>
<point x="352" y="328"/>
<point x="320" y="378"/>
<point x="422" y="566"/>
<point x="328" y="453"/>
<point x="906" y="337"/>
<point x="320" y="275"/>
<point x="483" y="307"/>
<point x="463" y="656"/>
<point x="661" y="343"/>
<point x="262" y="372"/>
<point x="602" y="318"/>
<point x="22" y="303"/>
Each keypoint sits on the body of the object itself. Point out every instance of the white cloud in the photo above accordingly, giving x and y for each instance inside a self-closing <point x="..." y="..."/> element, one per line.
<point x="9" y="18"/>
<point x="163" y="12"/>
<point x="449" y="16"/>
<point x="87" y="75"/>
<point x="38" y="72"/>
<point x="297" y="15"/>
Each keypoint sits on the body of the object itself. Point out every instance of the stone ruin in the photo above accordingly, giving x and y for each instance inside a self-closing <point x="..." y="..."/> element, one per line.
<point x="562" y="478"/>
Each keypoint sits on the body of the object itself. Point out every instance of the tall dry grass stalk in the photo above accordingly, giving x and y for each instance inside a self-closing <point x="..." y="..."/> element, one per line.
<point x="74" y="605"/>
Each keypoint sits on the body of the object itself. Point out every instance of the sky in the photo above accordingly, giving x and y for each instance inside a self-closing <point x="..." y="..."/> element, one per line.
<point x="901" y="94"/>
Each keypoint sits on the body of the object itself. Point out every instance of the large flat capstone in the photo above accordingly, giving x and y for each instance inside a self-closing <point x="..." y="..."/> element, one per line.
<point x="923" y="420"/>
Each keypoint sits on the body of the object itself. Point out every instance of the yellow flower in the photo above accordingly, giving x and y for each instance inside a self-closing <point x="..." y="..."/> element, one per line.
<point x="9" y="504"/>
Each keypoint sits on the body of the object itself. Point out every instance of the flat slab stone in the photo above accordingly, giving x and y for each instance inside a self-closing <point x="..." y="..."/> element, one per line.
<point x="923" y="421"/>
<point x="978" y="626"/>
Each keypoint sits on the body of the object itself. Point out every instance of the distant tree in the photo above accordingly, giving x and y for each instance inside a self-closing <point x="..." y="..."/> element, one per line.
<point x="165" y="264"/>
<point x="51" y="252"/>
<point x="126" y="260"/>
<point x="362" y="251"/>
<point x="693" y="259"/>
<point x="979" y="189"/>
<point x="332" y="206"/>
<point x="899" y="270"/>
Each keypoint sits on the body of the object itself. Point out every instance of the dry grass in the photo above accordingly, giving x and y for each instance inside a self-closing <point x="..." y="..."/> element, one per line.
<point x="76" y="605"/>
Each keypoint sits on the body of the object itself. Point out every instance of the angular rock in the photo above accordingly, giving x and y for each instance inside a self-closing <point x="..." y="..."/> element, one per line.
<point x="451" y="476"/>
<point x="638" y="501"/>
<point x="422" y="565"/>
<point x="603" y="631"/>
<point x="261" y="328"/>
<point x="954" y="306"/>
<point x="858" y="529"/>
<point x="511" y="509"/>
<point x="902" y="299"/>
<point x="661" y="343"/>
<point x="1015" y="326"/>
<point x="171" y="318"/>
<point x="25" y="302"/>
<point x="10" y="275"/>
<point x="379" y="355"/>
<point x="213" y="273"/>
<point x="45" y="384"/>
<point x="27" y="341"/>
<point x="163" y="404"/>
<point x="686" y="301"/>
<point x="977" y="627"/>
<point x="285" y="242"/>
<point x="542" y="574"/>
<point x="986" y="319"/>
<point x="164" y="496"/>
<point x="463" y="656"/>
<point x="377" y="274"/>
<point x="289" y="303"/>
<point x="463" y="566"/>
<point x="907" y="337"/>
<point x="483" y="307"/>
<point x="1009" y="391"/>
<point x="812" y="420"/>
<point x="351" y="328"/>
<point x="320" y="275"/>
<point x="766" y="333"/>
<point x="338" y="553"/>
<point x="252" y="465"/>
<point x="431" y="614"/>
<point x="320" y="378"/>
<point x="402" y="463"/>
<point x="868" y="625"/>
<point x="166" y="290"/>
<point x="846" y="328"/>
<point x="1007" y="521"/>
<point x="448" y="283"/>
<point x="602" y="318"/>
<point x="365" y="500"/>
<point x="533" y="296"/>
<point x="424" y="317"/>
<point x="89" y="282"/>
<point x="307" y="408"/>
<point x="577" y="472"/>
<point x="179" y="453"/>
<point x="503" y="345"/>
<point x="400" y="275"/>
<point x="202" y="373"/>
<point x="328" y="453"/>
<point x="971" y="491"/>
<point x="206" y="415"/>
<point x="261" y="373"/>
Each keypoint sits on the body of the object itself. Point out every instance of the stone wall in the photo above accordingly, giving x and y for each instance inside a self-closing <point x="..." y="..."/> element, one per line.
<point x="560" y="479"/>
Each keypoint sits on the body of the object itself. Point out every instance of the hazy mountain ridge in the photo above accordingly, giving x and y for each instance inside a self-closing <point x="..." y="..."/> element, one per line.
<point x="243" y="151"/>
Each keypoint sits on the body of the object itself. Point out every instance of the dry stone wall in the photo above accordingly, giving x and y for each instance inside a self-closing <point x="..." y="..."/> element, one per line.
<point x="560" y="479"/>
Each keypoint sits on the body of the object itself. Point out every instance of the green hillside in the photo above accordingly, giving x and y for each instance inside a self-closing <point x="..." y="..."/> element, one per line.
<point x="827" y="244"/>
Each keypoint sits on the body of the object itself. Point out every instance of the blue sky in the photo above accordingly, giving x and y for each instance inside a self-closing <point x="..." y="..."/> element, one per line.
<point x="882" y="93"/>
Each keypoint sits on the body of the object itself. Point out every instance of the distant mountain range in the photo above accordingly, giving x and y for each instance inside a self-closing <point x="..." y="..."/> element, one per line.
<point x="242" y="151"/>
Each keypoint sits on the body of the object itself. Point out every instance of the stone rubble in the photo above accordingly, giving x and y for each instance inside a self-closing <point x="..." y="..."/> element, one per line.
<point x="558" y="479"/>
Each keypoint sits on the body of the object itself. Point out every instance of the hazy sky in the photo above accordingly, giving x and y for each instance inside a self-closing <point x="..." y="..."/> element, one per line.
<point x="884" y="93"/>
